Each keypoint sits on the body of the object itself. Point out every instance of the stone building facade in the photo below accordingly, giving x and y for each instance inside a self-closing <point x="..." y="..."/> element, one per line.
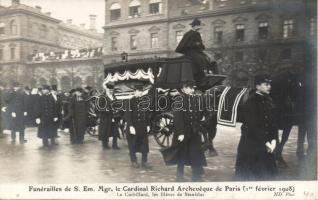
<point x="244" y="36"/>
<point x="26" y="30"/>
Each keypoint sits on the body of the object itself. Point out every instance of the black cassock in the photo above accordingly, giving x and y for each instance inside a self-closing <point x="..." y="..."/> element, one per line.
<point x="253" y="161"/>
<point x="192" y="46"/>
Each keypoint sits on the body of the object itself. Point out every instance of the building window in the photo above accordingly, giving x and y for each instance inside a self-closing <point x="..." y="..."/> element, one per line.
<point x="155" y="6"/>
<point x="43" y="31"/>
<point x="240" y="32"/>
<point x="1" y="54"/>
<point x="134" y="9"/>
<point x="114" y="44"/>
<point x="2" y="31"/>
<point x="263" y="30"/>
<point x="13" y="27"/>
<point x="115" y="11"/>
<point x="286" y="54"/>
<point x="261" y="55"/>
<point x="218" y="34"/>
<point x="154" y="40"/>
<point x="133" y="42"/>
<point x="313" y="26"/>
<point x="12" y="53"/>
<point x="179" y="35"/>
<point x="288" y="28"/>
<point x="239" y="56"/>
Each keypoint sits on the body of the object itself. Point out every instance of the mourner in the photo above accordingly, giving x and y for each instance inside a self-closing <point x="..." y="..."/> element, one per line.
<point x="107" y="126"/>
<point x="28" y="106"/>
<point x="1" y="107"/>
<point x="17" y="112"/>
<point x="47" y="117"/>
<point x="77" y="113"/>
<point x="137" y="121"/>
<point x="255" y="158"/>
<point x="58" y="106"/>
<point x="187" y="137"/>
<point x="191" y="45"/>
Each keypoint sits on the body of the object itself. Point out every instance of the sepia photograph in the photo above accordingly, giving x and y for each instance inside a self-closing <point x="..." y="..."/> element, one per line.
<point x="158" y="99"/>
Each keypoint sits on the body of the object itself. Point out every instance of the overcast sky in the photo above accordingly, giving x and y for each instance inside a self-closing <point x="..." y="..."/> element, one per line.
<point x="78" y="10"/>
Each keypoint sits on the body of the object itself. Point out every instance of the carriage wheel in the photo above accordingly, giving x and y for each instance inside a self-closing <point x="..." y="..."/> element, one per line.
<point x="164" y="130"/>
<point x="92" y="131"/>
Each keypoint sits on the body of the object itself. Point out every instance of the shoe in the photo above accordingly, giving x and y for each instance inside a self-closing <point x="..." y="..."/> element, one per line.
<point x="146" y="166"/>
<point x="213" y="153"/>
<point x="135" y="165"/>
<point x="106" y="147"/>
<point x="23" y="141"/>
<point x="116" y="148"/>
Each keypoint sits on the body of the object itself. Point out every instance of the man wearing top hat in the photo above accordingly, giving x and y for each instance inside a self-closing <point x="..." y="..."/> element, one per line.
<point x="28" y="105"/>
<point x="255" y="158"/>
<point x="58" y="106"/>
<point x="17" y="113"/>
<point x="46" y="117"/>
<point x="192" y="46"/>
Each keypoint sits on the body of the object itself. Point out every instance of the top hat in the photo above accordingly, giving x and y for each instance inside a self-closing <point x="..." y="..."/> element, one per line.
<point x="262" y="78"/>
<point x="195" y="22"/>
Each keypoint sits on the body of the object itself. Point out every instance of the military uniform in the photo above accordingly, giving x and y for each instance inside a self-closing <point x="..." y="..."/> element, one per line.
<point x="138" y="141"/>
<point x="187" y="123"/>
<point x="253" y="160"/>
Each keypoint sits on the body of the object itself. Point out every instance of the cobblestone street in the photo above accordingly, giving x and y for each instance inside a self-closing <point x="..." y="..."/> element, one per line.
<point x="89" y="163"/>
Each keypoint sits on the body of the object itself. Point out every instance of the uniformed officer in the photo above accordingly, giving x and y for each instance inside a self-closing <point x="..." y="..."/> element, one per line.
<point x="137" y="122"/>
<point x="188" y="135"/>
<point x="255" y="158"/>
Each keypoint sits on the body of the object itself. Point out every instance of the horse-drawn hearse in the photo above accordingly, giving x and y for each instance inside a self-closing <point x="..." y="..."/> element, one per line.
<point x="158" y="77"/>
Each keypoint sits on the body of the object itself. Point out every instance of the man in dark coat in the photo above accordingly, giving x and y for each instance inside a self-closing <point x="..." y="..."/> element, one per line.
<point x="187" y="135"/>
<point x="1" y="107"/>
<point x="77" y="113"/>
<point x="58" y="106"/>
<point x="46" y="117"/>
<point x="107" y="126"/>
<point x="137" y="136"/>
<point x="17" y="112"/>
<point x="255" y="159"/>
<point x="192" y="46"/>
<point x="28" y="106"/>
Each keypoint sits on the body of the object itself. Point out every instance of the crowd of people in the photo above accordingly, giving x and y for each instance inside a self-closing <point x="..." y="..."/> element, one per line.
<point x="67" y="54"/>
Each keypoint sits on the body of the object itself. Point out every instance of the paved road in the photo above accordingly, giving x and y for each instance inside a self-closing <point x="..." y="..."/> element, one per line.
<point x="89" y="163"/>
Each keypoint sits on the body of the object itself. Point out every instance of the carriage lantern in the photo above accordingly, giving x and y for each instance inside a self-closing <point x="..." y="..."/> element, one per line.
<point x="124" y="56"/>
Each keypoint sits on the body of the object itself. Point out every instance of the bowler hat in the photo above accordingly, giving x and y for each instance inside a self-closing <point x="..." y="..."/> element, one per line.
<point x="262" y="78"/>
<point x="195" y="22"/>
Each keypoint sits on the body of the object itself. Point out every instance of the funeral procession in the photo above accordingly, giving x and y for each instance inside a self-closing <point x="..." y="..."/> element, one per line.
<point x="134" y="91"/>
